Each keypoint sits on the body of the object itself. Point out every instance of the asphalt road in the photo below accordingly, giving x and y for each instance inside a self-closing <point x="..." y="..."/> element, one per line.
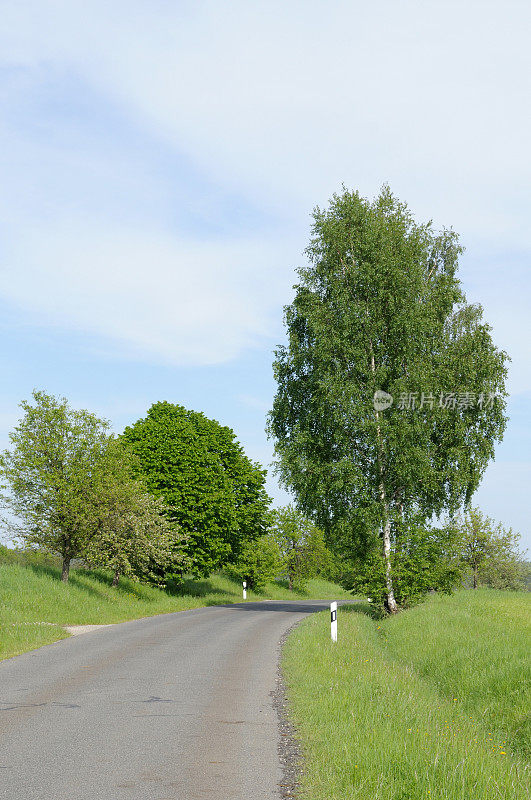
<point x="176" y="706"/>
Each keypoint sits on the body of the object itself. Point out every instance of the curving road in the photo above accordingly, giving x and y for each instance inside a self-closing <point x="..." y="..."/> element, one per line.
<point x="175" y="706"/>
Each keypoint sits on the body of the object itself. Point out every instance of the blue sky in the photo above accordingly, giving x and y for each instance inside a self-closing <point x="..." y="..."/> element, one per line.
<point x="159" y="162"/>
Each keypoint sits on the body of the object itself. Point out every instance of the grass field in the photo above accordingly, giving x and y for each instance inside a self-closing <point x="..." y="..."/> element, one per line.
<point x="34" y="604"/>
<point x="432" y="703"/>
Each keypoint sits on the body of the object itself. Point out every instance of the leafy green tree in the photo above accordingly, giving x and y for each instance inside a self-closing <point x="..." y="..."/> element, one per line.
<point x="49" y="473"/>
<point x="424" y="558"/>
<point x="132" y="535"/>
<point x="213" y="491"/>
<point x="379" y="313"/>
<point x="489" y="551"/>
<point x="259" y="563"/>
<point x="301" y="544"/>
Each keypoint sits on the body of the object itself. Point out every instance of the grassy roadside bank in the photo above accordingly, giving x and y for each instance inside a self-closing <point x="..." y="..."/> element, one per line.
<point x="430" y="704"/>
<point x="32" y="594"/>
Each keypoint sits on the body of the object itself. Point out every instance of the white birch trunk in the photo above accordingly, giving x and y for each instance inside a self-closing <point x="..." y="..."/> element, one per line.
<point x="386" y="533"/>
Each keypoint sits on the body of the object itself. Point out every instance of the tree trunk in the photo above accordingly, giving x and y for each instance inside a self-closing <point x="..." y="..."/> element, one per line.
<point x="66" y="568"/>
<point x="391" y="602"/>
<point x="116" y="578"/>
<point x="474" y="577"/>
<point x="290" y="583"/>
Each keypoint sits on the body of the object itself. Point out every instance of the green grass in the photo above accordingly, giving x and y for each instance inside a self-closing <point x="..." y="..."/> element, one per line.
<point x="479" y="653"/>
<point x="428" y="704"/>
<point x="31" y="593"/>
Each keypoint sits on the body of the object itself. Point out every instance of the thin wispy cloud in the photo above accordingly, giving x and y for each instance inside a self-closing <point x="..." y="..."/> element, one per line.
<point x="185" y="302"/>
<point x="280" y="103"/>
<point x="288" y="100"/>
<point x="159" y="161"/>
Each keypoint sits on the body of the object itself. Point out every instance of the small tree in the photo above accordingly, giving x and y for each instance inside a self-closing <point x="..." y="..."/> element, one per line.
<point x="49" y="474"/>
<point x="490" y="551"/>
<point x="135" y="539"/>
<point x="259" y="562"/>
<point x="302" y="546"/>
<point x="424" y="558"/>
<point x="131" y="534"/>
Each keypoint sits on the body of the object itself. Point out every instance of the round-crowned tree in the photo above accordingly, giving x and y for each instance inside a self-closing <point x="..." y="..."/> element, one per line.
<point x="212" y="490"/>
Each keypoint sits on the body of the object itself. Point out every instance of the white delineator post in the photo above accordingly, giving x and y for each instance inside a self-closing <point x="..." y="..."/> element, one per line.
<point x="333" y="621"/>
<point x="245" y="590"/>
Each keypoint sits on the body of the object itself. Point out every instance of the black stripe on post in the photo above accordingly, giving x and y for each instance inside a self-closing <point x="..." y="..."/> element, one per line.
<point x="333" y="616"/>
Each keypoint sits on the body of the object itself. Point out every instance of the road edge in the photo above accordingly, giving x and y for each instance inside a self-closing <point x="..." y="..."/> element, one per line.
<point x="288" y="748"/>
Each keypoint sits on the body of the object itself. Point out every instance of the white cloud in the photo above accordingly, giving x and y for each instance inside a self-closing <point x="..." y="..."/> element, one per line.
<point x="280" y="102"/>
<point x="185" y="302"/>
<point x="288" y="100"/>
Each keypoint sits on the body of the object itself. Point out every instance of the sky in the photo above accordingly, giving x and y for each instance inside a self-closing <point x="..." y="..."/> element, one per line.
<point x="159" y="162"/>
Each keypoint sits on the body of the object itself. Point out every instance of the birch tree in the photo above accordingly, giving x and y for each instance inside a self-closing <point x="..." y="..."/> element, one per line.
<point x="391" y="393"/>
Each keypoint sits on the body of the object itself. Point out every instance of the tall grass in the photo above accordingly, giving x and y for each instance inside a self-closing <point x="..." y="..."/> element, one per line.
<point x="35" y="604"/>
<point x="475" y="647"/>
<point x="392" y="711"/>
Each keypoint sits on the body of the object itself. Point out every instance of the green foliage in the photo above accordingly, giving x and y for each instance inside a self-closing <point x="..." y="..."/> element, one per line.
<point x="70" y="486"/>
<point x="526" y="574"/>
<point x="49" y="473"/>
<point x="301" y="544"/>
<point x="133" y="536"/>
<point x="213" y="491"/>
<point x="260" y="562"/>
<point x="380" y="308"/>
<point x="489" y="551"/>
<point x="28" y="558"/>
<point x="423" y="559"/>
